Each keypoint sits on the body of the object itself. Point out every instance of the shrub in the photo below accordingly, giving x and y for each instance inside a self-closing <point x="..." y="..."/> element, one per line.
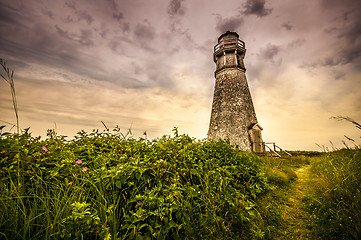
<point x="101" y="185"/>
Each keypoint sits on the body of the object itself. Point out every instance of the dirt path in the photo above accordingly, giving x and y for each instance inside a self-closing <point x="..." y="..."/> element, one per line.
<point x="292" y="211"/>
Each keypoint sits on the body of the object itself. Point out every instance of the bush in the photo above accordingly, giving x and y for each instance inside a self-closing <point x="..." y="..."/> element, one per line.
<point x="101" y="185"/>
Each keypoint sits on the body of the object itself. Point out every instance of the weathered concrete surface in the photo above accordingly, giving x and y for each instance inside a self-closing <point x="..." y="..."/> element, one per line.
<point x="232" y="109"/>
<point x="233" y="114"/>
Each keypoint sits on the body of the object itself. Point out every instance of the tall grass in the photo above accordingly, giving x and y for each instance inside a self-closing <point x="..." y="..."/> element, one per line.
<point x="8" y="77"/>
<point x="334" y="201"/>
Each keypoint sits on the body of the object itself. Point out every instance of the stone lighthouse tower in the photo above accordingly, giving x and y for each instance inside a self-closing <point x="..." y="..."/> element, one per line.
<point x="233" y="116"/>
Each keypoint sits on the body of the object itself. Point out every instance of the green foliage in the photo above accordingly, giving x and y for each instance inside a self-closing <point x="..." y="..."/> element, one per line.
<point x="82" y="223"/>
<point x="101" y="185"/>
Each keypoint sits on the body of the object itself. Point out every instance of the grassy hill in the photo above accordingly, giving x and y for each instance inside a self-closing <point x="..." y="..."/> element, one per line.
<point x="102" y="185"/>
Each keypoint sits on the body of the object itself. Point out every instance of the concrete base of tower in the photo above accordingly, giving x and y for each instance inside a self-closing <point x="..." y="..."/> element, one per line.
<point x="249" y="139"/>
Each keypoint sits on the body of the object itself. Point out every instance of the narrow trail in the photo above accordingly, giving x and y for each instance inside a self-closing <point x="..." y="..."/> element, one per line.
<point x="292" y="211"/>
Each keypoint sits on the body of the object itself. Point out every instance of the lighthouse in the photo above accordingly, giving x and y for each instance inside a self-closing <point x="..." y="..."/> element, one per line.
<point x="233" y="116"/>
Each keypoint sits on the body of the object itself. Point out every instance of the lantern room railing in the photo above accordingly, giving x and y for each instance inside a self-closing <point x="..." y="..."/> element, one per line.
<point x="225" y="44"/>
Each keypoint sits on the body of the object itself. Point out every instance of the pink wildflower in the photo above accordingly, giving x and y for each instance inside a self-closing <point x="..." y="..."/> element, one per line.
<point x="44" y="149"/>
<point x="84" y="169"/>
<point x="78" y="162"/>
<point x="161" y="160"/>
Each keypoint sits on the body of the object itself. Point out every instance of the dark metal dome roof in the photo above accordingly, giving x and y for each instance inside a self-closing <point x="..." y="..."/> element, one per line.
<point x="228" y="33"/>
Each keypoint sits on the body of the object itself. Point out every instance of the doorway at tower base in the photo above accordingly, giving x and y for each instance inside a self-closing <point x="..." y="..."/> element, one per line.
<point x="255" y="137"/>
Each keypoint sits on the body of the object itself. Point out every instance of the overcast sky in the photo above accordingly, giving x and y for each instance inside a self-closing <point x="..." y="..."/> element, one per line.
<point x="148" y="65"/>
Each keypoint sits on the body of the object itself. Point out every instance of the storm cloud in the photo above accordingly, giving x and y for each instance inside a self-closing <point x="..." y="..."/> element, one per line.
<point x="256" y="7"/>
<point x="229" y="24"/>
<point x="175" y="7"/>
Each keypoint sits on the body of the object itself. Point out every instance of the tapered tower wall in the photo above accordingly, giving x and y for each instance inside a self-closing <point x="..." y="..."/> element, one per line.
<point x="233" y="115"/>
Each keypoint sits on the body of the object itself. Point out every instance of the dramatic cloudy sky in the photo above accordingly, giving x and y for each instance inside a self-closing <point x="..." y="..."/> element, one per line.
<point x="148" y="66"/>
